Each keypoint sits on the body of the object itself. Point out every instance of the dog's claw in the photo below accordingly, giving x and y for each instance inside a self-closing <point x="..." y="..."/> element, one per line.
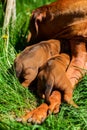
<point x="36" y="116"/>
<point x="29" y="120"/>
<point x="43" y="120"/>
<point x="19" y="119"/>
<point x="49" y="112"/>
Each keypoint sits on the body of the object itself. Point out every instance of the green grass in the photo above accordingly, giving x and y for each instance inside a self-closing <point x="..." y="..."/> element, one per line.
<point x="14" y="99"/>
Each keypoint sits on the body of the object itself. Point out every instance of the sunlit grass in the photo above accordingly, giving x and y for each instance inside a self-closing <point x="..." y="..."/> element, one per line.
<point x="14" y="99"/>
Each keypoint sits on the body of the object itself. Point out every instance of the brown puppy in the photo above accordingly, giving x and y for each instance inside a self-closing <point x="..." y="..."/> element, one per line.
<point x="53" y="76"/>
<point x="63" y="19"/>
<point x="39" y="114"/>
<point x="31" y="58"/>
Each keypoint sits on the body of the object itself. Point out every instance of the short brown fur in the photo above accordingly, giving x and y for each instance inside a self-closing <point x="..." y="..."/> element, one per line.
<point x="31" y="58"/>
<point x="53" y="76"/>
<point x="63" y="19"/>
<point x="60" y="19"/>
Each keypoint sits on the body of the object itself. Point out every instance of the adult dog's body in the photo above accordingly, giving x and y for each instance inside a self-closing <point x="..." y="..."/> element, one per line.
<point x="63" y="19"/>
<point x="31" y="58"/>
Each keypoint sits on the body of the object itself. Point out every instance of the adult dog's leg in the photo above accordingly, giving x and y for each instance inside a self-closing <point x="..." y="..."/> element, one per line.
<point x="77" y="65"/>
<point x="39" y="114"/>
<point x="36" y="116"/>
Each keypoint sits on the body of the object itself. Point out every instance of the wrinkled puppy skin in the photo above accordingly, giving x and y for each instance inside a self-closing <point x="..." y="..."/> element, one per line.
<point x="53" y="76"/>
<point x="63" y="19"/>
<point x="32" y="58"/>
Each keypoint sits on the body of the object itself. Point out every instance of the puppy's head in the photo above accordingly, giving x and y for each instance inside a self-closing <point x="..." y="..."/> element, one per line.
<point x="54" y="46"/>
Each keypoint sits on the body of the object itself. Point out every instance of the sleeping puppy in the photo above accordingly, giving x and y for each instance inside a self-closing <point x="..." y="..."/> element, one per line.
<point x="31" y="58"/>
<point x="53" y="76"/>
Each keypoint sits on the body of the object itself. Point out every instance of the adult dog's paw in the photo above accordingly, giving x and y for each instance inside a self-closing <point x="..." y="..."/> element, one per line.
<point x="36" y="116"/>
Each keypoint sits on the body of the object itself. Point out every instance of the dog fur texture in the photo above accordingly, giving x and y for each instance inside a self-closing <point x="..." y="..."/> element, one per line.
<point x="32" y="58"/>
<point x="63" y="19"/>
<point x="60" y="19"/>
<point x="53" y="76"/>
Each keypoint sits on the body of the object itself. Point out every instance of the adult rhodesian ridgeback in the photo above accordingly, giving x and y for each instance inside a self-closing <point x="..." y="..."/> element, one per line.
<point x="63" y="19"/>
<point x="31" y="58"/>
<point x="53" y="76"/>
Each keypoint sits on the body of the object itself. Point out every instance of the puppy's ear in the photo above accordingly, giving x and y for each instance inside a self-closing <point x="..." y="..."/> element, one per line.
<point x="18" y="69"/>
<point x="49" y="87"/>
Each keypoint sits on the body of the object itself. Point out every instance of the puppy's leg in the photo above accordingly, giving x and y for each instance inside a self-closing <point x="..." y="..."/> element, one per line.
<point x="76" y="67"/>
<point x="26" y="83"/>
<point x="68" y="94"/>
<point x="55" y="101"/>
<point x="29" y="76"/>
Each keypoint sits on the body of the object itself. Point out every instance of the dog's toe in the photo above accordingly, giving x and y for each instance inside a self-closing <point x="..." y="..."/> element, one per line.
<point x="49" y="112"/>
<point x="18" y="119"/>
<point x="29" y="120"/>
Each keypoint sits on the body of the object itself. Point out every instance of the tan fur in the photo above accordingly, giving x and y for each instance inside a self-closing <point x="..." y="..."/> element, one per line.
<point x="60" y="19"/>
<point x="31" y="58"/>
<point x="53" y="76"/>
<point x="63" y="19"/>
<point x="55" y="102"/>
